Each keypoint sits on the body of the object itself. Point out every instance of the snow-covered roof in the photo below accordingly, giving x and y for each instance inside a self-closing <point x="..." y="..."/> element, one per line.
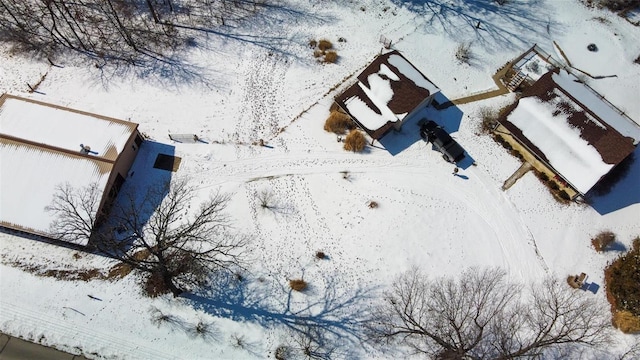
<point x="566" y="151"/>
<point x="387" y="91"/>
<point x="30" y="175"/>
<point x="594" y="102"/>
<point x="63" y="128"/>
<point x="40" y="150"/>
<point x="581" y="146"/>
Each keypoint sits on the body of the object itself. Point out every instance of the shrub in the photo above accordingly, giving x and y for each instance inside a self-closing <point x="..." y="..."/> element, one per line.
<point x="339" y="123"/>
<point x="154" y="285"/>
<point x="204" y="329"/>
<point x="355" y="141"/>
<point x="626" y="322"/>
<point x="621" y="281"/>
<point x="158" y="317"/>
<point x="614" y="5"/>
<point x="320" y="255"/>
<point x="516" y="153"/>
<point x="373" y="205"/>
<point x="298" y="284"/>
<point x="324" y="45"/>
<point x="313" y="43"/>
<point x="463" y="53"/>
<point x="238" y="341"/>
<point x="119" y="271"/>
<point x="564" y="195"/>
<point x="330" y="57"/>
<point x="282" y="352"/>
<point x="266" y="199"/>
<point x="553" y="185"/>
<point x="603" y="240"/>
<point x="489" y="119"/>
<point x="542" y="176"/>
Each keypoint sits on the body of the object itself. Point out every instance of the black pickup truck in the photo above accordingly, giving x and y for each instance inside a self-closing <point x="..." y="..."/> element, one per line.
<point x="434" y="133"/>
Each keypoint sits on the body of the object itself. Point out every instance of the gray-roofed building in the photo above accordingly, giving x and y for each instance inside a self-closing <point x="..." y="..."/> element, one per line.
<point x="43" y="146"/>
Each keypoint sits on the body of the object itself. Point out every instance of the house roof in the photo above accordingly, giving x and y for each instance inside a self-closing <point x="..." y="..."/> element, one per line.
<point x="573" y="139"/>
<point x="387" y="90"/>
<point x="40" y="150"/>
<point x="63" y="128"/>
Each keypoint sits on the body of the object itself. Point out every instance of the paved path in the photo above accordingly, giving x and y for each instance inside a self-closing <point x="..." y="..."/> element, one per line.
<point x="12" y="348"/>
<point x="526" y="166"/>
<point x="501" y="90"/>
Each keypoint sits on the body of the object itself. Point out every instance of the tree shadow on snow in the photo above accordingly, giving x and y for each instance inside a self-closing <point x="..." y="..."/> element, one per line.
<point x="331" y="314"/>
<point x="514" y="24"/>
<point x="175" y="67"/>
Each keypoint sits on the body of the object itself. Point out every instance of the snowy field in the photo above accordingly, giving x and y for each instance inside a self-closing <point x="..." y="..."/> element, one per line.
<point x="264" y="83"/>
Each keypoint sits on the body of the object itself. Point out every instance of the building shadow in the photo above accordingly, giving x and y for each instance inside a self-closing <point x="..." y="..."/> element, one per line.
<point x="144" y="189"/>
<point x="618" y="189"/>
<point x="592" y="287"/>
<point x="445" y="113"/>
<point x="449" y="117"/>
<point x="396" y="142"/>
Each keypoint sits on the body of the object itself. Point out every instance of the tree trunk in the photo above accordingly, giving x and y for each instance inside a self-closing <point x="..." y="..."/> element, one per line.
<point x="168" y="281"/>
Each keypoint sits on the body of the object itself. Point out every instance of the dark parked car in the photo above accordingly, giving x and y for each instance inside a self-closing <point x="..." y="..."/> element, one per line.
<point x="434" y="133"/>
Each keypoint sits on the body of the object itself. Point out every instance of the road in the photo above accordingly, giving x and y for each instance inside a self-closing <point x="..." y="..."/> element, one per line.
<point x="12" y="348"/>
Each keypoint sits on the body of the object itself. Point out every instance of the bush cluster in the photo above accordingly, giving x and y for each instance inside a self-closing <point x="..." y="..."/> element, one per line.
<point x="298" y="284"/>
<point x="323" y="50"/>
<point x="601" y="241"/>
<point x="614" y="5"/>
<point x="626" y="322"/>
<point x="622" y="280"/>
<point x="355" y="141"/>
<point x="339" y="123"/>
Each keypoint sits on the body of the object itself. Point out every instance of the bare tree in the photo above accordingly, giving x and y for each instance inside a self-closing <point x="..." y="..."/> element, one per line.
<point x="76" y="212"/>
<point x="159" y="234"/>
<point x="140" y="33"/>
<point x="482" y="316"/>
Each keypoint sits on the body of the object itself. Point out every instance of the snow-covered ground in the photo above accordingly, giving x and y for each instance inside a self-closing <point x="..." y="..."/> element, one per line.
<point x="269" y="86"/>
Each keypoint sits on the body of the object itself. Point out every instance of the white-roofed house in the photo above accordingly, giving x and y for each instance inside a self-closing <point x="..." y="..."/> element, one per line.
<point x="565" y="129"/>
<point x="44" y="146"/>
<point x="388" y="92"/>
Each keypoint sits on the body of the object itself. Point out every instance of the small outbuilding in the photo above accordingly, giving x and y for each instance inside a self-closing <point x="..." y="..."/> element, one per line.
<point x="43" y="146"/>
<point x="388" y="92"/>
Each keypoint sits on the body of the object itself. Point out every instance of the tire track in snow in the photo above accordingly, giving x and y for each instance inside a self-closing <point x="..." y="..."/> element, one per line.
<point x="492" y="205"/>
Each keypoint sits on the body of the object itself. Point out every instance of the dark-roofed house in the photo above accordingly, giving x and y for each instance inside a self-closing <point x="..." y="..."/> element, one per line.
<point x="43" y="146"/>
<point x="567" y="130"/>
<point x="388" y="92"/>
